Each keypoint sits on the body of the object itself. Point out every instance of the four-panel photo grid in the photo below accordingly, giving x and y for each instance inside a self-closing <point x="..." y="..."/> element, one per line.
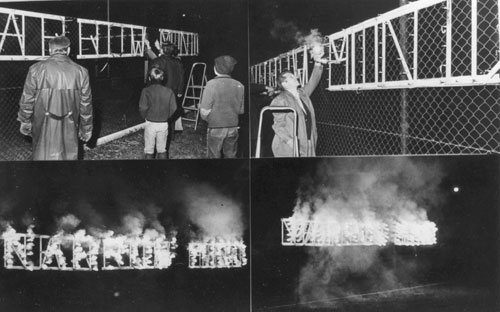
<point x="250" y="155"/>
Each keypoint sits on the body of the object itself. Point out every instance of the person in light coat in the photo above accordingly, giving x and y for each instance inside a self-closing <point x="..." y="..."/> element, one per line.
<point x="298" y="98"/>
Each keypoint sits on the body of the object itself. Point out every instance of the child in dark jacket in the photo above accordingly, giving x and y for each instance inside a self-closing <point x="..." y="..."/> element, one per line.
<point x="157" y="105"/>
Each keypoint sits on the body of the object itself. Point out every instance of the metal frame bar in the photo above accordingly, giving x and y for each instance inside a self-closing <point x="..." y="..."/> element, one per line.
<point x="474" y="38"/>
<point x="20" y="33"/>
<point x="278" y="108"/>
<point x="136" y="48"/>
<point x="448" y="37"/>
<point x="197" y="254"/>
<point x="306" y="232"/>
<point x="68" y="266"/>
<point x="21" y="257"/>
<point x="412" y="80"/>
<point x="187" y="42"/>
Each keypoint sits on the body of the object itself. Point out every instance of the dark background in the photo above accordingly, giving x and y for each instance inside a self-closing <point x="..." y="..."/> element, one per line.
<point x="42" y="192"/>
<point x="465" y="259"/>
<point x="221" y="24"/>
<point x="302" y="16"/>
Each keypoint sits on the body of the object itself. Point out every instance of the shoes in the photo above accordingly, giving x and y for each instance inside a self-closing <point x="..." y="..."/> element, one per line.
<point x="149" y="156"/>
<point x="161" y="155"/>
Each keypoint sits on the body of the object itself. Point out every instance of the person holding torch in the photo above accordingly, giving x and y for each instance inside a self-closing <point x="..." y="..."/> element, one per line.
<point x="294" y="96"/>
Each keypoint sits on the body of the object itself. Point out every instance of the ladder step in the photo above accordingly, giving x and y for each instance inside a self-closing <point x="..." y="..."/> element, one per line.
<point x="192" y="97"/>
<point x="190" y="108"/>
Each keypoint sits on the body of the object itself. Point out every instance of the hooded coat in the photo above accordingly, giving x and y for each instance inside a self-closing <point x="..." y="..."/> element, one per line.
<point x="283" y="122"/>
<point x="57" y="100"/>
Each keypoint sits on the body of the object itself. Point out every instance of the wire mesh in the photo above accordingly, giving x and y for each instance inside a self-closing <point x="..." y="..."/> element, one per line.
<point x="458" y="120"/>
<point x="105" y="49"/>
<point x="419" y="80"/>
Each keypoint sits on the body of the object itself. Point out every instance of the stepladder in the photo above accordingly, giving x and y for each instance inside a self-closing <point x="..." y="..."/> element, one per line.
<point x="194" y="92"/>
<point x="277" y="110"/>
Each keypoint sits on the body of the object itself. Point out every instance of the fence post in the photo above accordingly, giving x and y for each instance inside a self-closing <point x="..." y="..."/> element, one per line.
<point x="403" y="39"/>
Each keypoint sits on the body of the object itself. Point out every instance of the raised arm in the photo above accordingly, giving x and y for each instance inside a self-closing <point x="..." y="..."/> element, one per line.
<point x="314" y="79"/>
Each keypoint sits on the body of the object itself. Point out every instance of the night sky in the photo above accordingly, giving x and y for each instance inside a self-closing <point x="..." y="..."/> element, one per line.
<point x="274" y="23"/>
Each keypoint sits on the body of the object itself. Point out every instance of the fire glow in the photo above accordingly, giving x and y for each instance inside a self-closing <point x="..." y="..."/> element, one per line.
<point x="305" y="232"/>
<point x="217" y="254"/>
<point x="80" y="252"/>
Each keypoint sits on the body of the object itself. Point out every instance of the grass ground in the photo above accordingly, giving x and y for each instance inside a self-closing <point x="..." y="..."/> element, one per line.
<point x="189" y="144"/>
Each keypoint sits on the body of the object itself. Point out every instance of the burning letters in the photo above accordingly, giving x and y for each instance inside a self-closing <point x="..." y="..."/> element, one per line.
<point x="220" y="254"/>
<point x="80" y="252"/>
<point x="304" y="232"/>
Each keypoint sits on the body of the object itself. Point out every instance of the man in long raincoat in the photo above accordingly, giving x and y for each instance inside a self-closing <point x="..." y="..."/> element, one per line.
<point x="56" y="104"/>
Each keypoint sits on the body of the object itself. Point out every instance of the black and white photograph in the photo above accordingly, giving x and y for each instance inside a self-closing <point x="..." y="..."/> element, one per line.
<point x="376" y="234"/>
<point x="384" y="77"/>
<point x="116" y="108"/>
<point x="124" y="236"/>
<point x="250" y="155"/>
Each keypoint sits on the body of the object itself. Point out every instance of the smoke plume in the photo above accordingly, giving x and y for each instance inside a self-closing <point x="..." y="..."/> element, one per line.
<point x="216" y="215"/>
<point x="311" y="40"/>
<point x="289" y="33"/>
<point x="67" y="223"/>
<point x="362" y="190"/>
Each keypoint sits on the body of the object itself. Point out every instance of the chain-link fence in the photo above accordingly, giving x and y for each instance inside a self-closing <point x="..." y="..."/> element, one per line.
<point x="422" y="79"/>
<point x="459" y="120"/>
<point x="112" y="53"/>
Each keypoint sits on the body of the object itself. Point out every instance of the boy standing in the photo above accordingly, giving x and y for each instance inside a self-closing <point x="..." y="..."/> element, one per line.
<point x="157" y="105"/>
<point x="222" y="102"/>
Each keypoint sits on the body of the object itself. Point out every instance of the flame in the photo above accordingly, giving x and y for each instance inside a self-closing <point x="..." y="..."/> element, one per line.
<point x="298" y="231"/>
<point x="217" y="253"/>
<point x="85" y="251"/>
<point x="53" y="256"/>
<point x="138" y="252"/>
<point x="80" y="251"/>
<point x="414" y="234"/>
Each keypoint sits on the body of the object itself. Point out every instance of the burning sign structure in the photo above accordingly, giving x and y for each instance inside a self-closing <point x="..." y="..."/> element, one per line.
<point x="217" y="254"/>
<point x="367" y="202"/>
<point x="82" y="252"/>
<point x="304" y="232"/>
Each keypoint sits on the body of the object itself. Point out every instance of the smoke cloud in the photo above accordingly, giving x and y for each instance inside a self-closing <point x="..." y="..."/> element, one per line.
<point x="67" y="223"/>
<point x="363" y="190"/>
<point x="288" y="32"/>
<point x="312" y="39"/>
<point x="216" y="215"/>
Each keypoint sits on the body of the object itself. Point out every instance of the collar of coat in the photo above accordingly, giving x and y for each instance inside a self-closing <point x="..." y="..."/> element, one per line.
<point x="289" y="96"/>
